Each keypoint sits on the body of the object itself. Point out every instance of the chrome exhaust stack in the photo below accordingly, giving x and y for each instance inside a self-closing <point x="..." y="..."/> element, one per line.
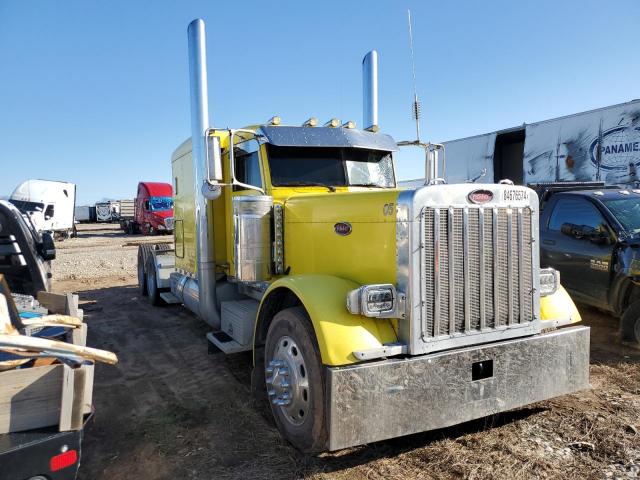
<point x="370" y="91"/>
<point x="207" y="305"/>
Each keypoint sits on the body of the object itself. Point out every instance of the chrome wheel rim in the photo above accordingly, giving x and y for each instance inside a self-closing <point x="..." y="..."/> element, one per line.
<point x="287" y="381"/>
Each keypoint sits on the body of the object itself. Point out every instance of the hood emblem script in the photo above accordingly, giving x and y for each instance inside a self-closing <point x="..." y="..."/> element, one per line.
<point x="480" y="196"/>
<point x="342" y="228"/>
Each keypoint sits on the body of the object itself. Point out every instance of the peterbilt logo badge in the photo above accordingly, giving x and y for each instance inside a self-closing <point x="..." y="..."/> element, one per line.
<point x="342" y="228"/>
<point x="480" y="196"/>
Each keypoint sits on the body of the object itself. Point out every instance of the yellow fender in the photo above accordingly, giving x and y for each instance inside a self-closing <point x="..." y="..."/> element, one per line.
<point x="338" y="332"/>
<point x="559" y="306"/>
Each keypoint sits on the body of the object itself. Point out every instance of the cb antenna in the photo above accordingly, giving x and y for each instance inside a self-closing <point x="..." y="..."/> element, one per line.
<point x="431" y="154"/>
<point x="416" y="107"/>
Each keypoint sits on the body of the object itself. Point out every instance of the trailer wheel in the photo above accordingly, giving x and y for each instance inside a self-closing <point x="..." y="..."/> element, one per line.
<point x="152" y="283"/>
<point x="295" y="380"/>
<point x="142" y="277"/>
<point x="630" y="323"/>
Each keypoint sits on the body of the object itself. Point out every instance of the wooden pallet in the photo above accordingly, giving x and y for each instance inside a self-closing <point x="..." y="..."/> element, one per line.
<point x="48" y="393"/>
<point x="42" y="396"/>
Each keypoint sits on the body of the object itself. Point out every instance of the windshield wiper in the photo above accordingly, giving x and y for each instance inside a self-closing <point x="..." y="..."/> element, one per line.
<point x="370" y="184"/>
<point x="331" y="188"/>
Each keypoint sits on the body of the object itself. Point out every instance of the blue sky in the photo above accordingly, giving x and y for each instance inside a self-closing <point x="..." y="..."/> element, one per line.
<point x="97" y="92"/>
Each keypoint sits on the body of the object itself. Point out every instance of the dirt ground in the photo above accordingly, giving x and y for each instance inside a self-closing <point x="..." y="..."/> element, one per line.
<point x="170" y="410"/>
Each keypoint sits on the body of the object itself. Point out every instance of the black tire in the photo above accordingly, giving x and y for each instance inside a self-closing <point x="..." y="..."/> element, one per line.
<point x="630" y="323"/>
<point x="152" y="284"/>
<point x="142" y="274"/>
<point x="309" y="434"/>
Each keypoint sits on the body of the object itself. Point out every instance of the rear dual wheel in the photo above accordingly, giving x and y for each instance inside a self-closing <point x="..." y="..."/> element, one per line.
<point x="294" y="379"/>
<point x="142" y="275"/>
<point x="152" y="283"/>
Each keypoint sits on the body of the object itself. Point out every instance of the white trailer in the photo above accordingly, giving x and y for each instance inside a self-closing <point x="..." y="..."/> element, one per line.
<point x="50" y="205"/>
<point x="127" y="209"/>
<point x="598" y="145"/>
<point x="107" y="211"/>
<point x="83" y="213"/>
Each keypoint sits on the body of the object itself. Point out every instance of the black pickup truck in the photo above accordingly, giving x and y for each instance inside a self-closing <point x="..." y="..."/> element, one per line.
<point x="591" y="234"/>
<point x="25" y="254"/>
<point x="45" y="453"/>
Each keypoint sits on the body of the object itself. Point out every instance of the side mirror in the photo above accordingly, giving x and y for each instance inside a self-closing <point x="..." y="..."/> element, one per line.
<point x="572" y="230"/>
<point x="146" y="205"/>
<point x="580" y="232"/>
<point x="600" y="237"/>
<point x="214" y="159"/>
<point x="47" y="247"/>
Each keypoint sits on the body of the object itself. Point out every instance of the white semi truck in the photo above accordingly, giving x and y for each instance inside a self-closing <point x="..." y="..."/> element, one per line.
<point x="50" y="205"/>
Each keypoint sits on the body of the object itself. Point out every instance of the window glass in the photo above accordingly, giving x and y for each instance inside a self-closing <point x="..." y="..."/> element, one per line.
<point x="627" y="211"/>
<point x="575" y="211"/>
<point x="369" y="168"/>
<point x="299" y="166"/>
<point x="24" y="206"/>
<point x="48" y="213"/>
<point x="329" y="166"/>
<point x="157" y="204"/>
<point x="247" y="163"/>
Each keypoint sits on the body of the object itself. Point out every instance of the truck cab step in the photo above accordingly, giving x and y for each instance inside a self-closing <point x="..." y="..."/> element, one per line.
<point x="169" y="298"/>
<point x="225" y="343"/>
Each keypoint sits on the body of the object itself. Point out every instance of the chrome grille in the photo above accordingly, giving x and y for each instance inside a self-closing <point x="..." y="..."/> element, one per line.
<point x="472" y="260"/>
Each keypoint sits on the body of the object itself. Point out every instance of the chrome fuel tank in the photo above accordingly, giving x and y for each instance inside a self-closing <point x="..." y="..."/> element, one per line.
<point x="252" y="237"/>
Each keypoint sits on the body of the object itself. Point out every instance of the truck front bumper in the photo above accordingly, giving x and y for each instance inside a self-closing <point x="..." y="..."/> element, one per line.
<point x="395" y="397"/>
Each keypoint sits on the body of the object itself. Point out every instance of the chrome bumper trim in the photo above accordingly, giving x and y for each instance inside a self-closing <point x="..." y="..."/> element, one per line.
<point x="390" y="398"/>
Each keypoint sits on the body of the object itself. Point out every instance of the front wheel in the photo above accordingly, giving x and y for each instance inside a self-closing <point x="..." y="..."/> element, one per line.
<point x="295" y="380"/>
<point x="630" y="323"/>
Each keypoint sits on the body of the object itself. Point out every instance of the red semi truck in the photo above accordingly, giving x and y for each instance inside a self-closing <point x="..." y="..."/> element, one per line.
<point x="153" y="211"/>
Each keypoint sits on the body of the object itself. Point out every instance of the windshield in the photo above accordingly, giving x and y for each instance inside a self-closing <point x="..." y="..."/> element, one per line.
<point x="334" y="167"/>
<point x="157" y="204"/>
<point x="627" y="211"/>
<point x="25" y="206"/>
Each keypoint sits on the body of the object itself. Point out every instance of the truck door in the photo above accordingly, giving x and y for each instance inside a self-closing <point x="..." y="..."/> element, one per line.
<point x="575" y="242"/>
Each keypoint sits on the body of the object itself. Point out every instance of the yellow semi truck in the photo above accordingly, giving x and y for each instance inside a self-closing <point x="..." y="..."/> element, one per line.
<point x="372" y="312"/>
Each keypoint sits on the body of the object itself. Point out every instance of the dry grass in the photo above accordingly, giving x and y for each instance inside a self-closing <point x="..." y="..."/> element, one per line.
<point x="589" y="435"/>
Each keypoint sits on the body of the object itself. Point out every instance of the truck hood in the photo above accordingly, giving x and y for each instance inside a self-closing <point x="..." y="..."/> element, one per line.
<point x="370" y="206"/>
<point x="162" y="214"/>
<point x="351" y="235"/>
